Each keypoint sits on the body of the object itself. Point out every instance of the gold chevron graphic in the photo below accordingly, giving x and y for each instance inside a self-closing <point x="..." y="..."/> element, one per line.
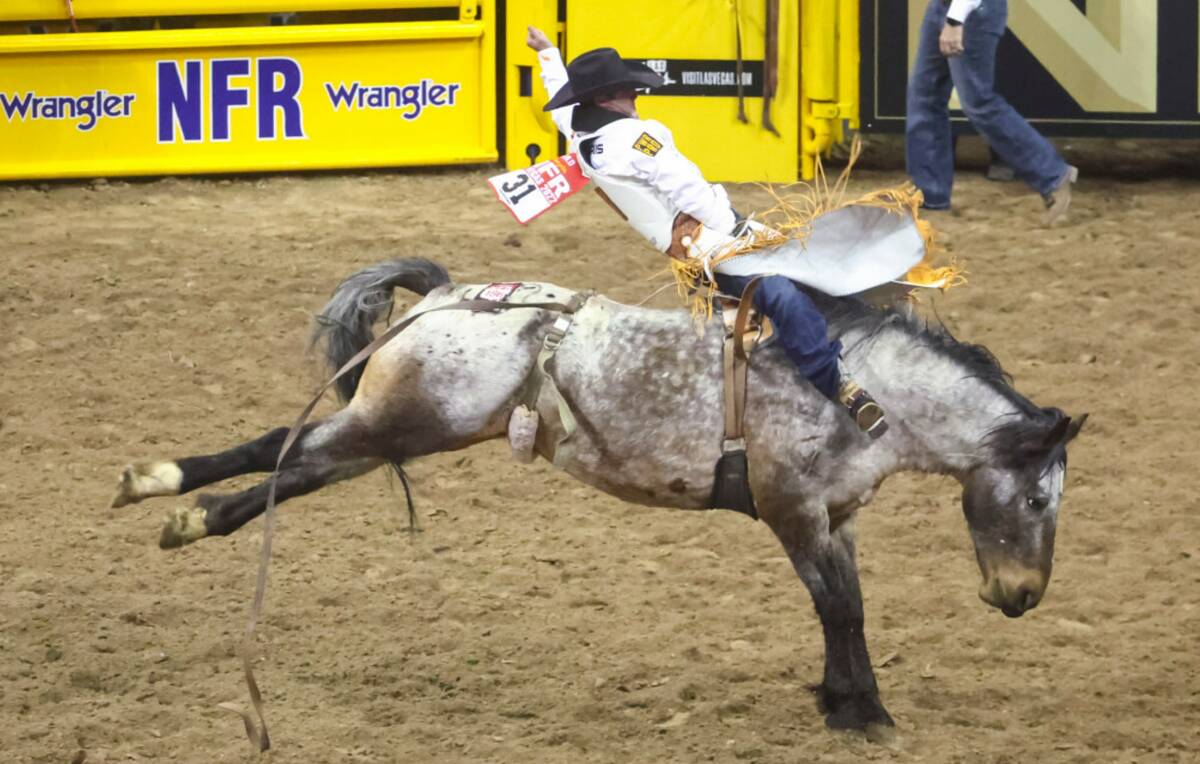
<point x="1106" y="59"/>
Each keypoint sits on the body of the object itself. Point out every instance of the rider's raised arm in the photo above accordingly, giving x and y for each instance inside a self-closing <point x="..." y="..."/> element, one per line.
<point x="554" y="76"/>
<point x="656" y="161"/>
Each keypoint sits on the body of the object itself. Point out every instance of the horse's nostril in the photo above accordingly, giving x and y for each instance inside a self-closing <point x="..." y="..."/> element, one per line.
<point x="1026" y="599"/>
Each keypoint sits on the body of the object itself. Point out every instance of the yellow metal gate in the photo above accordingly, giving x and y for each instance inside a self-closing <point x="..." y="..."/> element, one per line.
<point x="220" y="97"/>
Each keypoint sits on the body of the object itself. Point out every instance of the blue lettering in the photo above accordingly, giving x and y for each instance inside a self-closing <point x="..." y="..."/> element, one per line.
<point x="341" y="95"/>
<point x="179" y="100"/>
<point x="412" y="98"/>
<point x="86" y="107"/>
<point x="279" y="81"/>
<point x="16" y="105"/>
<point x="225" y="97"/>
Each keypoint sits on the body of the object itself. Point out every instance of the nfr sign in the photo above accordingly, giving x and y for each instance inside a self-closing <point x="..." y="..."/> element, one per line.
<point x="238" y="99"/>
<point x="195" y="101"/>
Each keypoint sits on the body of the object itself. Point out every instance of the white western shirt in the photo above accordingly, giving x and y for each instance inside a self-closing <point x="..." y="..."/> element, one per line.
<point x="960" y="9"/>
<point x="642" y="151"/>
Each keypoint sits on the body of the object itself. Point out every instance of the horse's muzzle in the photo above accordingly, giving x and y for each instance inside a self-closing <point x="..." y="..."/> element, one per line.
<point x="1013" y="590"/>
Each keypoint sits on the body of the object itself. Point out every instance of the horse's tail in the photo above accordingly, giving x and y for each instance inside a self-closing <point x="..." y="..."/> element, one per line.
<point x="344" y="324"/>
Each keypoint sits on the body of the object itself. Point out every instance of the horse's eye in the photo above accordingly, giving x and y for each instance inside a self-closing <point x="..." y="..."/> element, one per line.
<point x="1035" y="503"/>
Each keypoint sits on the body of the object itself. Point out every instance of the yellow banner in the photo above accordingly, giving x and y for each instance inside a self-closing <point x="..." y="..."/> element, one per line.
<point x="247" y="99"/>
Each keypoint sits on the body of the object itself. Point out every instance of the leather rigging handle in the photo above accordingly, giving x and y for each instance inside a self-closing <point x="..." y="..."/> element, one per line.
<point x="736" y="365"/>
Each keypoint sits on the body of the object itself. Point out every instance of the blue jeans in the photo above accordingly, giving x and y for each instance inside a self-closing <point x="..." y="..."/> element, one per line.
<point x="799" y="326"/>
<point x="929" y="146"/>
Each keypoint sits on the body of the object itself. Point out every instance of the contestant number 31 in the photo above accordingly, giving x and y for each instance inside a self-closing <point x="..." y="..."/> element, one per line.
<point x="521" y="184"/>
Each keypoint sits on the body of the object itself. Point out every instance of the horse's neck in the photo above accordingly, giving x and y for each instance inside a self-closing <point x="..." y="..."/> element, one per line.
<point x="942" y="414"/>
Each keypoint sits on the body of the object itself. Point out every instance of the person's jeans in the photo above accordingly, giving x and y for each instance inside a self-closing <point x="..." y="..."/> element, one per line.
<point x="929" y="145"/>
<point x="799" y="326"/>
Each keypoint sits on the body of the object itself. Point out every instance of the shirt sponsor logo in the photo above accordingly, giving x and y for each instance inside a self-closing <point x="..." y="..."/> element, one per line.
<point x="412" y="99"/>
<point x="86" y="109"/>
<point x="647" y="144"/>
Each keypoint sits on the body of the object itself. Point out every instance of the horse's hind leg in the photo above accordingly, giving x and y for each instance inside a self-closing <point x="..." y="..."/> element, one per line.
<point x="143" y="480"/>
<point x="222" y="515"/>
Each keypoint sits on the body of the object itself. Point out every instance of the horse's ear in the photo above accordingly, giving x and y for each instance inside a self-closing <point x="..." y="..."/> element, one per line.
<point x="1074" y="427"/>
<point x="1057" y="432"/>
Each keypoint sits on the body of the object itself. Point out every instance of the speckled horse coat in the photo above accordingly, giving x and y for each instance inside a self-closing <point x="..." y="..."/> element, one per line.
<point x="646" y="390"/>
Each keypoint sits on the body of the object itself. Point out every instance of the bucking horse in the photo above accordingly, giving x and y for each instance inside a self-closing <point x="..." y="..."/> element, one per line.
<point x="644" y="390"/>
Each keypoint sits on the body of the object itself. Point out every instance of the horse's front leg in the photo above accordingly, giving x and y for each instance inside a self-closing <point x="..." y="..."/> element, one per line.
<point x="825" y="561"/>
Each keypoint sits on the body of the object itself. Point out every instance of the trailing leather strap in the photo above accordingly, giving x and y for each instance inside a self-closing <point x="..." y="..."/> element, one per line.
<point x="258" y="735"/>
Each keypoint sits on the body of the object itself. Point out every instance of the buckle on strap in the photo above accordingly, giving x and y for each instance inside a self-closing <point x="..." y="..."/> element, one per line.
<point x="558" y="330"/>
<point x="733" y="445"/>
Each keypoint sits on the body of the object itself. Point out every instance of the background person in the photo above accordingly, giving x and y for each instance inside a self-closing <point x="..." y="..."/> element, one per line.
<point x="957" y="49"/>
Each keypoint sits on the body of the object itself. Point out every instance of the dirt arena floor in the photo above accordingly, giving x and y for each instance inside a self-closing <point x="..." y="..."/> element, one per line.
<point x="534" y="619"/>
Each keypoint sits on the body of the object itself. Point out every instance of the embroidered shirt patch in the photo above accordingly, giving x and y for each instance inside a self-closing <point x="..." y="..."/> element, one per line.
<point x="499" y="292"/>
<point x="647" y="144"/>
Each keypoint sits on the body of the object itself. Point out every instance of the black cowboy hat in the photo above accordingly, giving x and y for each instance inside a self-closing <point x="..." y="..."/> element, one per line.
<point x="599" y="71"/>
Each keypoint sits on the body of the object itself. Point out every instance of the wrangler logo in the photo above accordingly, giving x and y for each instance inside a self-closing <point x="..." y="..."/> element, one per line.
<point x="647" y="145"/>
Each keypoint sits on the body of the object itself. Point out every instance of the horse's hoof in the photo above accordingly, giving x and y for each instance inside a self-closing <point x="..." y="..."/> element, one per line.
<point x="882" y="734"/>
<point x="185" y="525"/>
<point x="859" y="712"/>
<point x="143" y="480"/>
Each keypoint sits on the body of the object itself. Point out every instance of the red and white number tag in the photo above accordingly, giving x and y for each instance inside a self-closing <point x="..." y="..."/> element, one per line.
<point x="530" y="192"/>
<point x="498" y="292"/>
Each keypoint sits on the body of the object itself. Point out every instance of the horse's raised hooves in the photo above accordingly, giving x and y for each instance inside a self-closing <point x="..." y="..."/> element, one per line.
<point x="143" y="480"/>
<point x="184" y="525"/>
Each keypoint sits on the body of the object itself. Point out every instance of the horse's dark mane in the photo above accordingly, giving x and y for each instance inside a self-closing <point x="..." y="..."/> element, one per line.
<point x="1013" y="440"/>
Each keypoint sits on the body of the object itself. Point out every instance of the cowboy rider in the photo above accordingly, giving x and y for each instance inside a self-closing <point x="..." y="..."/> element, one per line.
<point x="664" y="196"/>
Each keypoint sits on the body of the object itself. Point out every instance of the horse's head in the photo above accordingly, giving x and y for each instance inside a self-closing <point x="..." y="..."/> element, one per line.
<point x="1011" y="503"/>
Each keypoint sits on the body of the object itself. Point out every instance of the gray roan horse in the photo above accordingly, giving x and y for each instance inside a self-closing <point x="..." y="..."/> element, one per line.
<point x="646" y="390"/>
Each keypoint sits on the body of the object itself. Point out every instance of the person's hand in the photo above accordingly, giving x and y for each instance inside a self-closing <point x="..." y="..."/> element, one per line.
<point x="950" y="42"/>
<point x="537" y="39"/>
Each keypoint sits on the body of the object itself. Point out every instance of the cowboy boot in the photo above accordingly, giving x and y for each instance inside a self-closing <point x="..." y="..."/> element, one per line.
<point x="863" y="409"/>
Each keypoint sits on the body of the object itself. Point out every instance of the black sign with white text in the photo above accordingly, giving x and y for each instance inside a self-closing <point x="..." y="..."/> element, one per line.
<point x="705" y="77"/>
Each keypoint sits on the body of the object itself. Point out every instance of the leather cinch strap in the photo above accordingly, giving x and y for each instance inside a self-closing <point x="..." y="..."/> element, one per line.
<point x="540" y="378"/>
<point x="731" y="483"/>
<point x="736" y="364"/>
<point x="260" y="739"/>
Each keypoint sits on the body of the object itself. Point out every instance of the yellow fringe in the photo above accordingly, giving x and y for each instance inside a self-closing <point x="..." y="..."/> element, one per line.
<point x="692" y="287"/>
<point x="791" y="219"/>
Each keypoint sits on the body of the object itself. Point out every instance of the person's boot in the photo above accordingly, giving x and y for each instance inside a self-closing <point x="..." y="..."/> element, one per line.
<point x="863" y="409"/>
<point x="1059" y="200"/>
